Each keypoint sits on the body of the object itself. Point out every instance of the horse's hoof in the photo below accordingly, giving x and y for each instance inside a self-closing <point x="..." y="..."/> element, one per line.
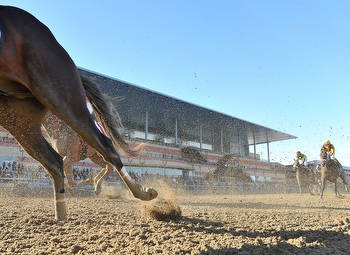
<point x="97" y="189"/>
<point x="147" y="194"/>
<point x="153" y="193"/>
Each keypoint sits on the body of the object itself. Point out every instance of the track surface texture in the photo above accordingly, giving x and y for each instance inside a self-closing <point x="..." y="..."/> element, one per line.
<point x="210" y="224"/>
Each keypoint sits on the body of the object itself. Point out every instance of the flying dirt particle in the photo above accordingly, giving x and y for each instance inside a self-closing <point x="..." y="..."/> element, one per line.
<point x="165" y="207"/>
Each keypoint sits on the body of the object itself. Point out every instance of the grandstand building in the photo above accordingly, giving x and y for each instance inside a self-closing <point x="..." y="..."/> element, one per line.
<point x="182" y="139"/>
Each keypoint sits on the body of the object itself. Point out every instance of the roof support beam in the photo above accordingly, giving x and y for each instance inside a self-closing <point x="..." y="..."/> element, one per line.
<point x="146" y="127"/>
<point x="268" y="147"/>
<point x="254" y="145"/>
<point x="200" y="137"/>
<point x="176" y="141"/>
<point x="222" y="140"/>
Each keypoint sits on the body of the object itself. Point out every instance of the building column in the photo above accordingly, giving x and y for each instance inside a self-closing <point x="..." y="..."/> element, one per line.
<point x="254" y="145"/>
<point x="200" y="137"/>
<point x="222" y="140"/>
<point x="239" y="143"/>
<point x="146" y="127"/>
<point x="176" y="141"/>
<point x="268" y="147"/>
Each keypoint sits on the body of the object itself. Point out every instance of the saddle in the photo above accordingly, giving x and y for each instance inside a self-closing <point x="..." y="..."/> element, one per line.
<point x="333" y="164"/>
<point x="304" y="170"/>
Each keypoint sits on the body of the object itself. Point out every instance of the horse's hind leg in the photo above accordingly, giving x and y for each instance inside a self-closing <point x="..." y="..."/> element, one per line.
<point x="337" y="194"/>
<point x="323" y="185"/>
<point x="68" y="172"/>
<point x="299" y="182"/>
<point x="106" y="171"/>
<point x="309" y="188"/>
<point x="342" y="176"/>
<point x="300" y="190"/>
<point x="22" y="118"/>
<point x="59" y="88"/>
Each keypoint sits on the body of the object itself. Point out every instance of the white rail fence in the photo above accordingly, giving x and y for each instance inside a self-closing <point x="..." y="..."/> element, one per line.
<point x="185" y="186"/>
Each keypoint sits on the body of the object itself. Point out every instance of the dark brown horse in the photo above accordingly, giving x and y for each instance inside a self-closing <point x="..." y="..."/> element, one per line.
<point x="330" y="172"/>
<point x="73" y="149"/>
<point x="37" y="75"/>
<point x="305" y="176"/>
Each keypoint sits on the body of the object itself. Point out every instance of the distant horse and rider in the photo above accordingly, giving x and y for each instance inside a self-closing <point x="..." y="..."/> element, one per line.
<point x="331" y="169"/>
<point x="36" y="76"/>
<point x="304" y="173"/>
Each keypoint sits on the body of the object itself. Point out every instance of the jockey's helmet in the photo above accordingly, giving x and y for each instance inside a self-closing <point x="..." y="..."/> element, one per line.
<point x="298" y="153"/>
<point x="326" y="142"/>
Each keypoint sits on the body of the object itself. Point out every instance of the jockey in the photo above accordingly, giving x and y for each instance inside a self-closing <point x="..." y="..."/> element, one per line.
<point x="330" y="149"/>
<point x="301" y="158"/>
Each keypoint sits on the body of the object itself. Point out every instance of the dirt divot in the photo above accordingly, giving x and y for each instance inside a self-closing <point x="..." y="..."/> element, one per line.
<point x="163" y="208"/>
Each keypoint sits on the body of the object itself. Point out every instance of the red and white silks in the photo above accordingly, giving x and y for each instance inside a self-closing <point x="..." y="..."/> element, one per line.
<point x="98" y="125"/>
<point x="100" y="128"/>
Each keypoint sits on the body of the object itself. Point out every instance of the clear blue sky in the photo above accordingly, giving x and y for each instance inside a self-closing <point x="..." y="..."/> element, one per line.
<point x="281" y="64"/>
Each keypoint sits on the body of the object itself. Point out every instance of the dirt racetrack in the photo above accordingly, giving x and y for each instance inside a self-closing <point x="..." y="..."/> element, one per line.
<point x="210" y="224"/>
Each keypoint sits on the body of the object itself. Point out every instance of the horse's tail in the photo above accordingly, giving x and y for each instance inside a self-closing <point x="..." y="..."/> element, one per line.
<point x="108" y="116"/>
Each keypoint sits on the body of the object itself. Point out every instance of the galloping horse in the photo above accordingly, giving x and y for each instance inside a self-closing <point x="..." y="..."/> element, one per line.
<point x="304" y="176"/>
<point x="72" y="148"/>
<point x="37" y="75"/>
<point x="330" y="171"/>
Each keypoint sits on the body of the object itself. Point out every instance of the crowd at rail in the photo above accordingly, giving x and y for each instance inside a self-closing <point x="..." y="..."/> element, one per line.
<point x="13" y="169"/>
<point x="16" y="169"/>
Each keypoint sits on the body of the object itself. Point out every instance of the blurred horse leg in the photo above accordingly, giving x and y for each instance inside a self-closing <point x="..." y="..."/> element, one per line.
<point x="346" y="185"/>
<point x="298" y="176"/>
<point x="337" y="194"/>
<point x="309" y="188"/>
<point x="22" y="118"/>
<point x="323" y="185"/>
<point x="106" y="171"/>
<point x="67" y="168"/>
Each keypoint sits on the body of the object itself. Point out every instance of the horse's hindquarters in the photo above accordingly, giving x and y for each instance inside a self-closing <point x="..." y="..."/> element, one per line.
<point x="12" y="88"/>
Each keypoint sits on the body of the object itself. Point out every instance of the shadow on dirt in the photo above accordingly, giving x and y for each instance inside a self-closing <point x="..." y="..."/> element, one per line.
<point x="271" y="241"/>
<point x="260" y="205"/>
<point x="281" y="248"/>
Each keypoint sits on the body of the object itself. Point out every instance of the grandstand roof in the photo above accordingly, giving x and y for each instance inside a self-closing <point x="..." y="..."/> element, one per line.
<point x="133" y="101"/>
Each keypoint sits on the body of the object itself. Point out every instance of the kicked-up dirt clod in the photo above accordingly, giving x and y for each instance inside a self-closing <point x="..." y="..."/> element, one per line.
<point x="165" y="207"/>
